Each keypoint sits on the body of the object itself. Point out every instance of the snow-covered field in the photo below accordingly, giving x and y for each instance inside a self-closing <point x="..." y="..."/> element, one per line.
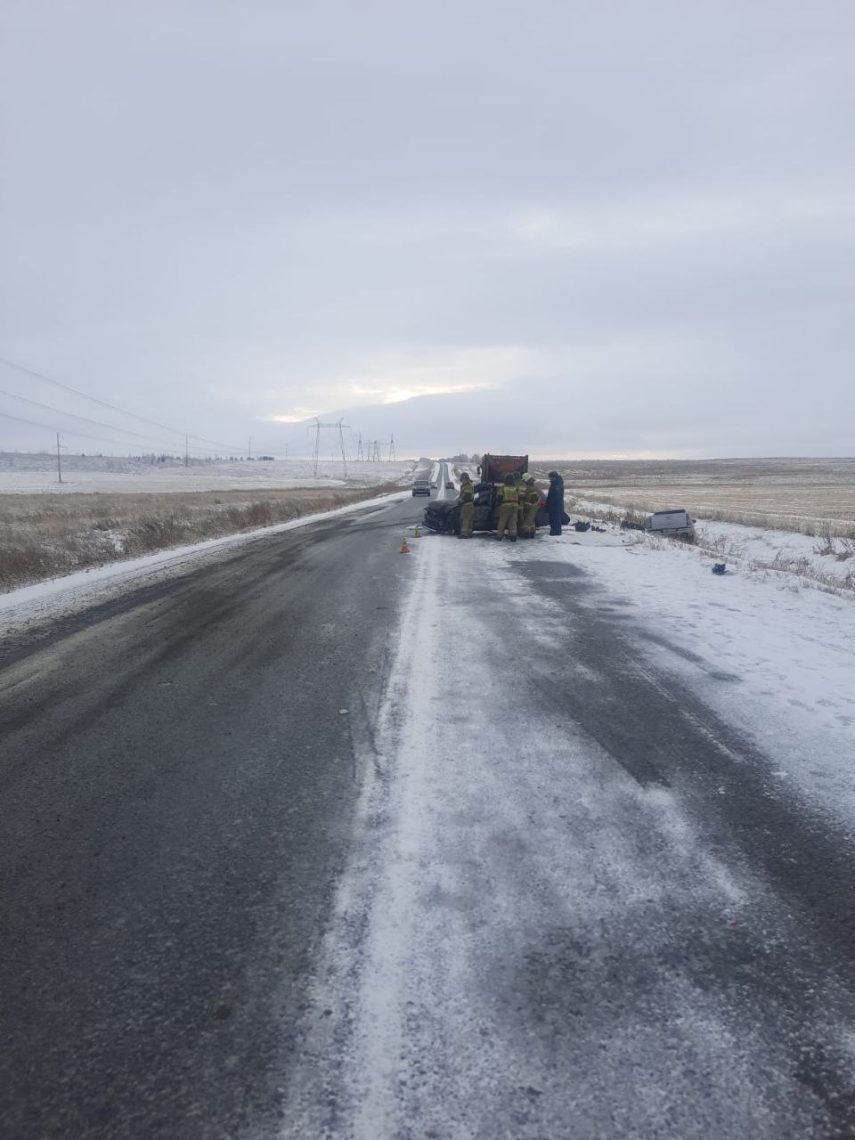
<point x="22" y="474"/>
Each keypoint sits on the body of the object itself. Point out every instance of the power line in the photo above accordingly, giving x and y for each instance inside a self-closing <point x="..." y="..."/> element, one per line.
<point x="114" y="407"/>
<point x="73" y="415"/>
<point x="123" y="443"/>
<point x="85" y="395"/>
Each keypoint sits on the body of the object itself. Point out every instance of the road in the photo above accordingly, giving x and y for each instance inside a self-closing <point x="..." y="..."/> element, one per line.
<point x="316" y="839"/>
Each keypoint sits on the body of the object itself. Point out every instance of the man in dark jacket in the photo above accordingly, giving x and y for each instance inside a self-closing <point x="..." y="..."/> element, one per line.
<point x="555" y="502"/>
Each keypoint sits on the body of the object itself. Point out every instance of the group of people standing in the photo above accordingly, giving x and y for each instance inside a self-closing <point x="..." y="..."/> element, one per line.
<point x="519" y="500"/>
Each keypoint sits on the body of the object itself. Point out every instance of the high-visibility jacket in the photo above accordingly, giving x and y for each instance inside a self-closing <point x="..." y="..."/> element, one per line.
<point x="467" y="492"/>
<point x="508" y="495"/>
<point x="530" y="494"/>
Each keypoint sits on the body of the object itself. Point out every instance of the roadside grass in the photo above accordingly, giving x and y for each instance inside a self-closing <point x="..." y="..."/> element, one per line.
<point x="814" y="497"/>
<point x="45" y="536"/>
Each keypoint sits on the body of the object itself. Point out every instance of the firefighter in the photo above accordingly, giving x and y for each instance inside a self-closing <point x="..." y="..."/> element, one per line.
<point x="529" y="499"/>
<point x="555" y="502"/>
<point x="466" y="498"/>
<point x="509" y="501"/>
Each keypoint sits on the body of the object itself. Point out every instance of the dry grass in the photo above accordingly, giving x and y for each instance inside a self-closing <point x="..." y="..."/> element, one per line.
<point x="808" y="496"/>
<point x="43" y="536"/>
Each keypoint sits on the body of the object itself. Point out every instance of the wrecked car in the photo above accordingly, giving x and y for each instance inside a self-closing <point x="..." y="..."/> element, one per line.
<point x="443" y="515"/>
<point x="675" y="523"/>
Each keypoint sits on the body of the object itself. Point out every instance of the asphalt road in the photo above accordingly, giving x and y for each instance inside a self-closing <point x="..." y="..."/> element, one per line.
<point x="317" y="839"/>
<point x="177" y="780"/>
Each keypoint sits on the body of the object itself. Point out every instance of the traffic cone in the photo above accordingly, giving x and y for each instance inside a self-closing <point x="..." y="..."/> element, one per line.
<point x="404" y="548"/>
<point x="417" y="533"/>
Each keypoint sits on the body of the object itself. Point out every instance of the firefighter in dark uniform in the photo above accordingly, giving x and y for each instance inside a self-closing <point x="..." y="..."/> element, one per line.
<point x="530" y="497"/>
<point x="555" y="502"/>
<point x="509" y="503"/>
<point x="466" y="498"/>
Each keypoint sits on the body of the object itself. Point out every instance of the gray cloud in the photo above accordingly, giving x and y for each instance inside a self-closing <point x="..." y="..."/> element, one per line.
<point x="633" y="224"/>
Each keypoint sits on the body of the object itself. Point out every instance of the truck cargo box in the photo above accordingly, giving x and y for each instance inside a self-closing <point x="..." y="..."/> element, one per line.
<point x="494" y="468"/>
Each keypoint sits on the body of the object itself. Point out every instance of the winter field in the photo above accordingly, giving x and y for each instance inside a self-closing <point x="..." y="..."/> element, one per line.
<point x="108" y="509"/>
<point x="793" y="518"/>
<point x="812" y="496"/>
<point x="87" y="474"/>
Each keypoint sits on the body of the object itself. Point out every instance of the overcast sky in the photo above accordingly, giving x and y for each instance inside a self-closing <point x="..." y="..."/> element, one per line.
<point x="570" y="228"/>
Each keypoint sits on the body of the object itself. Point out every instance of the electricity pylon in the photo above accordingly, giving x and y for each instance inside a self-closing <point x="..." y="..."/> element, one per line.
<point x="339" y="426"/>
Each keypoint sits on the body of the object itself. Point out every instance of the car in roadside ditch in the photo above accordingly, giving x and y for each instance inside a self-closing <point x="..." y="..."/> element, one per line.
<point x="675" y="523"/>
<point x="421" y="487"/>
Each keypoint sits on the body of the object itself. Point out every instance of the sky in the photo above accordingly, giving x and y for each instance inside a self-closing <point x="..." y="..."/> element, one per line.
<point x="563" y="228"/>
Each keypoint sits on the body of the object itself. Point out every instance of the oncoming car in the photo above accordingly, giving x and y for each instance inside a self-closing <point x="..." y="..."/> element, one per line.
<point x="421" y="487"/>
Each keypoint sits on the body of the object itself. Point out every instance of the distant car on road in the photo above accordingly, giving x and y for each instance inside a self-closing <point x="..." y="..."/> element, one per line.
<point x="421" y="487"/>
<point x="449" y="486"/>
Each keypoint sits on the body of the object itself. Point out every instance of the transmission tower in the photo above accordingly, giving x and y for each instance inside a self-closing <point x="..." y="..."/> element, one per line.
<point x="360" y="454"/>
<point x="392" y="454"/>
<point x="339" y="426"/>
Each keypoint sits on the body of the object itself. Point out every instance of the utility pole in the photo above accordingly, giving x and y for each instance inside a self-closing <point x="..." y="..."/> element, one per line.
<point x="360" y="454"/>
<point x="58" y="460"/>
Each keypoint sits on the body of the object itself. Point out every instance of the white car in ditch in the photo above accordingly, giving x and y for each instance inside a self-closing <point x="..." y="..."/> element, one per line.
<point x="676" y="523"/>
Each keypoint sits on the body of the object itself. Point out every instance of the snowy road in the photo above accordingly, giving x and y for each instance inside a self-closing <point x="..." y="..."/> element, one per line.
<point x="324" y="841"/>
<point x="576" y="908"/>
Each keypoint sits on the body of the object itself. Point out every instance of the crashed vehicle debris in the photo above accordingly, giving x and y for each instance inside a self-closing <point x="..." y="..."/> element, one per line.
<point x="443" y="515"/>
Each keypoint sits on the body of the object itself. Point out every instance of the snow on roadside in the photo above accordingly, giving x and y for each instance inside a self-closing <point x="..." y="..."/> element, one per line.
<point x="754" y="547"/>
<point x="771" y="656"/>
<point x="56" y="597"/>
<point x="757" y="547"/>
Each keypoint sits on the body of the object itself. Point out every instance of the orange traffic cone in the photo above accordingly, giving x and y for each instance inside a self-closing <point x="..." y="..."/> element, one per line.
<point x="404" y="548"/>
